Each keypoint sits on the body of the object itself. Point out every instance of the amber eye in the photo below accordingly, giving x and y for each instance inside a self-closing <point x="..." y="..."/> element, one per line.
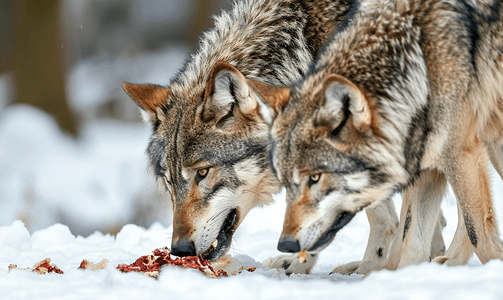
<point x="314" y="178"/>
<point x="202" y="172"/>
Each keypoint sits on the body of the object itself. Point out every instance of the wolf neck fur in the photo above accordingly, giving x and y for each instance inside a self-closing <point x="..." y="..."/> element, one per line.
<point x="377" y="43"/>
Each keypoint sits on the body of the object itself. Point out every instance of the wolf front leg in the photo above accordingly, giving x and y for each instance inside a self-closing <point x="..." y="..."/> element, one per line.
<point x="461" y="249"/>
<point x="419" y="236"/>
<point x="477" y="227"/>
<point x="437" y="242"/>
<point x="383" y="225"/>
<point x="424" y="221"/>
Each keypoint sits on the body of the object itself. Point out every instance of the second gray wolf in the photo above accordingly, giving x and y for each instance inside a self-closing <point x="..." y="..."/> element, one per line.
<point x="407" y="96"/>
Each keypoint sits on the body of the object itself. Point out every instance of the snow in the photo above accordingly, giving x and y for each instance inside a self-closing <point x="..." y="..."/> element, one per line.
<point x="424" y="281"/>
<point x="97" y="182"/>
<point x="65" y="190"/>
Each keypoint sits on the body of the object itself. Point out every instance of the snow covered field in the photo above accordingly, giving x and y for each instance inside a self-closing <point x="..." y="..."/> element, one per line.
<point x="100" y="180"/>
<point x="255" y="241"/>
<point x="97" y="182"/>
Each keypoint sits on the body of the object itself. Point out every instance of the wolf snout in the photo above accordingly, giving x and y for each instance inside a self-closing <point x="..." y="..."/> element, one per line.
<point x="183" y="248"/>
<point x="289" y="244"/>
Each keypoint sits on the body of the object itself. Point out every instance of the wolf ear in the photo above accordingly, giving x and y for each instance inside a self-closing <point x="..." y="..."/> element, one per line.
<point x="229" y="94"/>
<point x="148" y="97"/>
<point x="225" y="89"/>
<point x="341" y="94"/>
<point x="271" y="98"/>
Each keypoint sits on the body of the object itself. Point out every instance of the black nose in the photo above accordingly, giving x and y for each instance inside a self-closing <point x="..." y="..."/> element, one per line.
<point x="183" y="247"/>
<point x="289" y="244"/>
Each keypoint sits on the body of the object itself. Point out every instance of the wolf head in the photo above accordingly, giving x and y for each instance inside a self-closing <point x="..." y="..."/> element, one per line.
<point x="340" y="145"/>
<point x="321" y="154"/>
<point x="210" y="154"/>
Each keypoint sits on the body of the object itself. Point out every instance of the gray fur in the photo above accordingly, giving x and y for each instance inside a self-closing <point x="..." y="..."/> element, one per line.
<point x="205" y="126"/>
<point x="432" y="74"/>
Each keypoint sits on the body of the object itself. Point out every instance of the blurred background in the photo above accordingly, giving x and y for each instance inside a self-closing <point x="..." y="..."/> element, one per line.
<point x="72" y="144"/>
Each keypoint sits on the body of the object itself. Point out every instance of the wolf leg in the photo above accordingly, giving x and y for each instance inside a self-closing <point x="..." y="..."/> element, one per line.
<point x="396" y="247"/>
<point x="453" y="257"/>
<point x="291" y="263"/>
<point x="477" y="227"/>
<point x="422" y="233"/>
<point x="419" y="236"/>
<point x="383" y="224"/>
<point x="437" y="243"/>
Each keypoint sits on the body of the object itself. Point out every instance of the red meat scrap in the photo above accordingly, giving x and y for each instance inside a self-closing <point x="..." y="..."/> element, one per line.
<point x="151" y="264"/>
<point x="87" y="265"/>
<point x="42" y="267"/>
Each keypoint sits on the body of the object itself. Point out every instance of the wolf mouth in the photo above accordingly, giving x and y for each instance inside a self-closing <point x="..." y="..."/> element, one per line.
<point x="328" y="236"/>
<point x="219" y="247"/>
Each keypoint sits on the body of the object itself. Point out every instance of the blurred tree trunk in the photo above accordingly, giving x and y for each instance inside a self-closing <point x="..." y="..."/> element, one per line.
<point x="203" y="10"/>
<point x="38" y="64"/>
<point x="7" y="8"/>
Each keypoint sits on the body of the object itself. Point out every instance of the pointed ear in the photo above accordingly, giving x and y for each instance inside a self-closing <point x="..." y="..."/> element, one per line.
<point x="148" y="96"/>
<point x="341" y="94"/>
<point x="225" y="90"/>
<point x="271" y="98"/>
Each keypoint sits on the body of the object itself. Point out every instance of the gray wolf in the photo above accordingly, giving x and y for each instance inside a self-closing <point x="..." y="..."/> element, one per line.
<point x="209" y="142"/>
<point x="407" y="96"/>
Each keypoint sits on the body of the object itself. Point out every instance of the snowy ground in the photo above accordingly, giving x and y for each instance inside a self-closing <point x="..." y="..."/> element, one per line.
<point x="98" y="182"/>
<point x="255" y="241"/>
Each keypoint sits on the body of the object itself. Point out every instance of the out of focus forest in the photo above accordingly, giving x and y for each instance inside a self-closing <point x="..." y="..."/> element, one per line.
<point x="71" y="142"/>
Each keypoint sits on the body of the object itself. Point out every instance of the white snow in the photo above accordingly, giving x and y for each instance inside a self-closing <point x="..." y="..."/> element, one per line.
<point x="47" y="178"/>
<point x="425" y="281"/>
<point x="97" y="182"/>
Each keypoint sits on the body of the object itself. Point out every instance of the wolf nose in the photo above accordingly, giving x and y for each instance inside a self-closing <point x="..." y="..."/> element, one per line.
<point x="183" y="247"/>
<point x="289" y="244"/>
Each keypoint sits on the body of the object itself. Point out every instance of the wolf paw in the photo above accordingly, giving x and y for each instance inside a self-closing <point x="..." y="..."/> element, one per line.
<point x="358" y="267"/>
<point x="440" y="260"/>
<point x="347" y="269"/>
<point x="291" y="263"/>
<point x="450" y="261"/>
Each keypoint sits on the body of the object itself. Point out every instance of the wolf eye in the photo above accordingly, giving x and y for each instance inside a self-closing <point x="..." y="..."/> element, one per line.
<point x="314" y="178"/>
<point x="201" y="173"/>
